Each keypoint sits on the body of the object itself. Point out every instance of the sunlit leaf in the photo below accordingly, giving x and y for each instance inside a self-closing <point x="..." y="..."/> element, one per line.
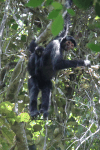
<point x="71" y="12"/>
<point x="57" y="25"/>
<point x="24" y="117"/>
<point x="57" y="5"/>
<point x="53" y="14"/>
<point x="93" y="128"/>
<point x="6" y="107"/>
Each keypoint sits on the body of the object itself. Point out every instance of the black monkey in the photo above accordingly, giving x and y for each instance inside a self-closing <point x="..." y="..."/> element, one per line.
<point x="47" y="66"/>
<point x="37" y="52"/>
<point x="34" y="48"/>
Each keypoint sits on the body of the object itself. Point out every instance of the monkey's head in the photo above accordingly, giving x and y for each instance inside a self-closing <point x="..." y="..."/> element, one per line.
<point x="39" y="50"/>
<point x="68" y="43"/>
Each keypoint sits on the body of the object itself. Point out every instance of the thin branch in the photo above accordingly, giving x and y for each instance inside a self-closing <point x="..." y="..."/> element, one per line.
<point x="87" y="138"/>
<point x="44" y="148"/>
<point x="3" y="25"/>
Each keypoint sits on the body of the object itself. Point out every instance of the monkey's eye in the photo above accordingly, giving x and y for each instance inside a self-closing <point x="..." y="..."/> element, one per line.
<point x="68" y="43"/>
<point x="72" y="45"/>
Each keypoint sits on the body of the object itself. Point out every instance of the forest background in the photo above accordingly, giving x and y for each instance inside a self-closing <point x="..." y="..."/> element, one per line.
<point x="74" y="115"/>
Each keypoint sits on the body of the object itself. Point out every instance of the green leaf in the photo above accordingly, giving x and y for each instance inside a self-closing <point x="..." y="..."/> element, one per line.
<point x="23" y="117"/>
<point x="6" y="107"/>
<point x="12" y="20"/>
<point x="57" y="5"/>
<point x="8" y="134"/>
<point x="97" y="9"/>
<point x="94" y="25"/>
<point x="57" y="25"/>
<point x="34" y="3"/>
<point x="4" y="145"/>
<point x="37" y="127"/>
<point x="15" y="26"/>
<point x="2" y="122"/>
<point x="53" y="14"/>
<point x="83" y="4"/>
<point x="97" y="25"/>
<point x="71" y="12"/>
<point x="94" y="47"/>
<point x="48" y="2"/>
<point x="23" y="38"/>
<point x="93" y="128"/>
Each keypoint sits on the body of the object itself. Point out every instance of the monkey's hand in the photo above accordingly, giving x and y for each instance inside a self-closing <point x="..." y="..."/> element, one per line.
<point x="87" y="63"/>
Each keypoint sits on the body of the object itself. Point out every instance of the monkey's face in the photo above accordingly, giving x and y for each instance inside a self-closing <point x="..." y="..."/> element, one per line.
<point x="68" y="45"/>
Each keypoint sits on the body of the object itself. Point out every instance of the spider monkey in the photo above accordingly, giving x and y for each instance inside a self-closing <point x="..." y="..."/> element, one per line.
<point x="36" y="52"/>
<point x="43" y="66"/>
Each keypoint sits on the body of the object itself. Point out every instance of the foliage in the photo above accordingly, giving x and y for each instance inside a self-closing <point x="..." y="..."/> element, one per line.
<point x="33" y="3"/>
<point x="73" y="121"/>
<point x="83" y="4"/>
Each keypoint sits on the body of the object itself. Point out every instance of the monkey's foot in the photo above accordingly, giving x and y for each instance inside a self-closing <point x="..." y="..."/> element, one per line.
<point x="34" y="114"/>
<point x="45" y="113"/>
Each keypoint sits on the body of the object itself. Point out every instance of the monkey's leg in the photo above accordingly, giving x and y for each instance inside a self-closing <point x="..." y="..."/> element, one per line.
<point x="33" y="93"/>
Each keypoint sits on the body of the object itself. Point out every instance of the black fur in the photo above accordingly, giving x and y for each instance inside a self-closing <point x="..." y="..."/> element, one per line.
<point x="43" y="70"/>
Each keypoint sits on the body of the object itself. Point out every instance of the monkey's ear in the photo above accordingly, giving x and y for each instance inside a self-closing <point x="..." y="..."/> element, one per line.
<point x="87" y="63"/>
